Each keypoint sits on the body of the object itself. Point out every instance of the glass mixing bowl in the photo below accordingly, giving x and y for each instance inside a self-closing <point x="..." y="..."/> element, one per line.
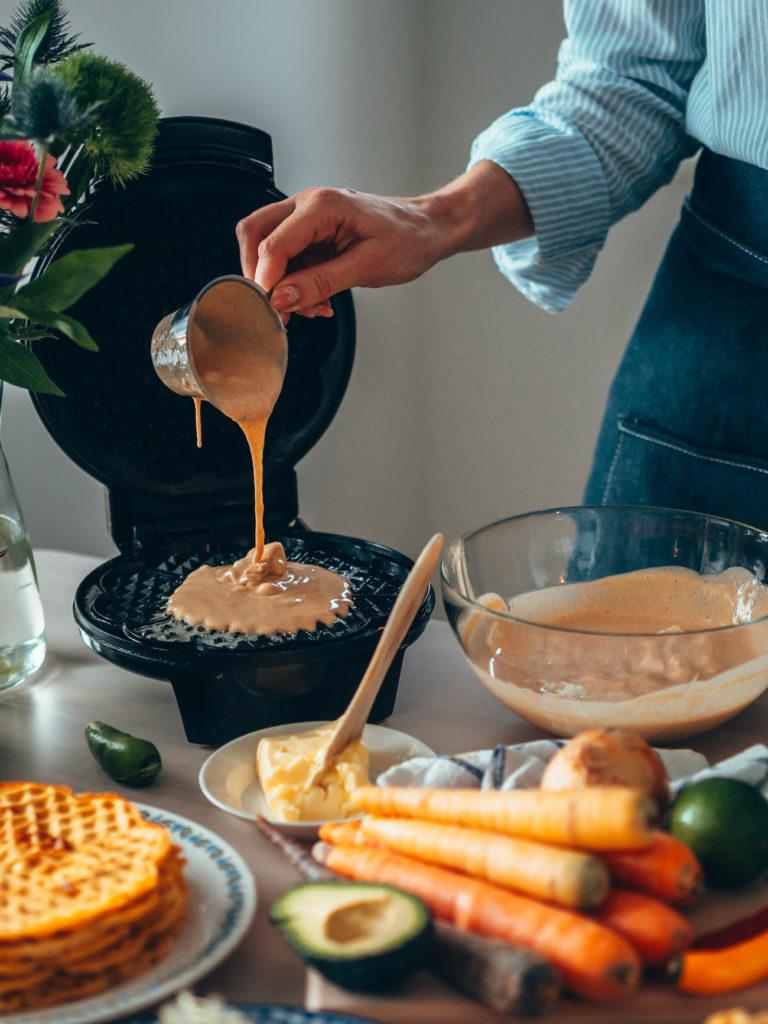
<point x="665" y="686"/>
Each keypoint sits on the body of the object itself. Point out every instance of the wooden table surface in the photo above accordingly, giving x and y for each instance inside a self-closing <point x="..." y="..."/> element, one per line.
<point x="41" y="738"/>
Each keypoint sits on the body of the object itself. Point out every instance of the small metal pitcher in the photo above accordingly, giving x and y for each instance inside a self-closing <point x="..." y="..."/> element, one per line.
<point x="212" y="347"/>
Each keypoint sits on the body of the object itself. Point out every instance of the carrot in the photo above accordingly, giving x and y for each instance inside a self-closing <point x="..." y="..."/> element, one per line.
<point x="506" y="978"/>
<point x="594" y="961"/>
<point x="657" y="932"/>
<point x="569" y="877"/>
<point x="503" y="977"/>
<point x="667" y="869"/>
<point x="710" y="972"/>
<point x="595" y="818"/>
<point x="296" y="855"/>
<point x="343" y="833"/>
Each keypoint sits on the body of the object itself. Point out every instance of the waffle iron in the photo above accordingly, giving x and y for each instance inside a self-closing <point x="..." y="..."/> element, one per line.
<point x="172" y="507"/>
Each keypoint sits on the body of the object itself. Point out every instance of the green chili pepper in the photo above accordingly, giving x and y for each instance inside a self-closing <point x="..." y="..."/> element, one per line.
<point x="125" y="758"/>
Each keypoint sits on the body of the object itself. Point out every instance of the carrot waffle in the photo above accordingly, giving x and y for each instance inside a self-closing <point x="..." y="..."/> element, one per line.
<point x="91" y="894"/>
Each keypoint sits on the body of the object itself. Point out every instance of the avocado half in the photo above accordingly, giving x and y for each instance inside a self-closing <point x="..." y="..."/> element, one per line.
<point x="361" y="936"/>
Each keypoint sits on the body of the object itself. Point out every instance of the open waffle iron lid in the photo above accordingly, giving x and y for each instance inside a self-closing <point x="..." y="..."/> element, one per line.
<point x="118" y="421"/>
<point x="173" y="507"/>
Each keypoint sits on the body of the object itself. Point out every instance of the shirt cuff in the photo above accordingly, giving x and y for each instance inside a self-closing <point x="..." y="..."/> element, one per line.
<point x="563" y="183"/>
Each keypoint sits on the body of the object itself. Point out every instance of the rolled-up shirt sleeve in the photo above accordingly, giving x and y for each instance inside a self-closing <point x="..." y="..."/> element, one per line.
<point x="597" y="141"/>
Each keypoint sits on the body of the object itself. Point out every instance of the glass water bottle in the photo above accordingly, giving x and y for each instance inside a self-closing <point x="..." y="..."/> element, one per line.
<point x="22" y="639"/>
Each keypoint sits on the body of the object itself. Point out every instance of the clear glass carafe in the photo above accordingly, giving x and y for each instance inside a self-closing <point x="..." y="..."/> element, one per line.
<point x="22" y="639"/>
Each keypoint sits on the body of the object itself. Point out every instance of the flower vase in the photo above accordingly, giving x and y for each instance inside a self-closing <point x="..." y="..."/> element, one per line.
<point x="22" y="639"/>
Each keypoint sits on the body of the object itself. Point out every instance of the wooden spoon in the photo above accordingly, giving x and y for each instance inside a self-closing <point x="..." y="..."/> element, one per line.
<point x="352" y="722"/>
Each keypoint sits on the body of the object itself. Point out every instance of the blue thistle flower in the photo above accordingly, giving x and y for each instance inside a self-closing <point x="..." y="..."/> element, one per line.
<point x="44" y="109"/>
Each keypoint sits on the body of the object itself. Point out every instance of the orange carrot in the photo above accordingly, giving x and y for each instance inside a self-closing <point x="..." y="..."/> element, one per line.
<point x="569" y="877"/>
<point x="709" y="972"/>
<point x="657" y="932"/>
<point x="595" y="818"/>
<point x="667" y="869"/>
<point x="343" y="833"/>
<point x="595" y="962"/>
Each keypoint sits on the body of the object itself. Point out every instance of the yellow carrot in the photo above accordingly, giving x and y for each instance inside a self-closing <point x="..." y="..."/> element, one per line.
<point x="594" y="961"/>
<point x="598" y="818"/>
<point x="569" y="877"/>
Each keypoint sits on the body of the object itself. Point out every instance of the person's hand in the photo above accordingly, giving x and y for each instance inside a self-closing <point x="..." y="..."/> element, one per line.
<point x="341" y="239"/>
<point x="316" y="243"/>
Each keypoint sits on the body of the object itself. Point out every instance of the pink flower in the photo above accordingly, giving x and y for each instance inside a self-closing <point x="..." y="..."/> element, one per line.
<point x="18" y="175"/>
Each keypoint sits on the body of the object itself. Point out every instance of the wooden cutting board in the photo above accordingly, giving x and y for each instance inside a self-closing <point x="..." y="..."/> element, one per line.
<point x="427" y="1001"/>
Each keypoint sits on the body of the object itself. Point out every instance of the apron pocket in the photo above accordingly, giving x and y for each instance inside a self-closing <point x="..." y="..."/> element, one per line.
<point x="652" y="468"/>
<point x="720" y="251"/>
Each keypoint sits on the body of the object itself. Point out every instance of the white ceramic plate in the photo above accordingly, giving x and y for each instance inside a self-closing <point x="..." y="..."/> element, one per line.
<point x="222" y="902"/>
<point x="229" y="778"/>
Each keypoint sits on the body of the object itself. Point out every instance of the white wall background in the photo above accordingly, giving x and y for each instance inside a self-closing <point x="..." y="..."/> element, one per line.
<point x="466" y="403"/>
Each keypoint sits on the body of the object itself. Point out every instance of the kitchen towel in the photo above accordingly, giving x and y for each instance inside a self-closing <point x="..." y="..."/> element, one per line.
<point x="522" y="765"/>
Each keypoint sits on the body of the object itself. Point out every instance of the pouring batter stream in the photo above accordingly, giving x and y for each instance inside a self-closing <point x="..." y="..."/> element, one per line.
<point x="262" y="593"/>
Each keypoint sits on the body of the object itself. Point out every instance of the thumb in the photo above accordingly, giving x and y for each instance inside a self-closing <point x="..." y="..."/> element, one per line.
<point x="313" y="285"/>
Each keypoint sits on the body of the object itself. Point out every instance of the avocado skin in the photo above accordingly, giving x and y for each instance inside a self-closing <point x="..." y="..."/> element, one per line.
<point x="374" y="973"/>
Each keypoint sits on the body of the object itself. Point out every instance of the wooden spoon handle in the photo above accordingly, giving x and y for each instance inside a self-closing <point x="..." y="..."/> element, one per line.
<point x="352" y="722"/>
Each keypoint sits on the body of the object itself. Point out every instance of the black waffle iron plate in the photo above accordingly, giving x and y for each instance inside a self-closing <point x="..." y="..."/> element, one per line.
<point x="173" y="507"/>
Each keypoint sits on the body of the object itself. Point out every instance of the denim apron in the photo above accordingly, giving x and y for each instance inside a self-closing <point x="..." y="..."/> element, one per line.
<point x="686" y="424"/>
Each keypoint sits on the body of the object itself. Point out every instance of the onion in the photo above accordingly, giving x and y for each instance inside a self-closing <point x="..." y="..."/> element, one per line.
<point x="609" y="758"/>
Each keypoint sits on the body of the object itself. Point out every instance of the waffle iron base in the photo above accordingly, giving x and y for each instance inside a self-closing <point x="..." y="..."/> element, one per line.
<point x="230" y="684"/>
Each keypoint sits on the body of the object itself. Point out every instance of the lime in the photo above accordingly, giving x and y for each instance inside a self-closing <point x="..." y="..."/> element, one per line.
<point x="725" y="823"/>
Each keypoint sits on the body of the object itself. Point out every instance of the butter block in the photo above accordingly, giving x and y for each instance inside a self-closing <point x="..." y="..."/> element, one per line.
<point x="285" y="765"/>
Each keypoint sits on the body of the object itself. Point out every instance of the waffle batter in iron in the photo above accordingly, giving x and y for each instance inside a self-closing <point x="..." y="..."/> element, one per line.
<point x="261" y="593"/>
<point x="264" y="594"/>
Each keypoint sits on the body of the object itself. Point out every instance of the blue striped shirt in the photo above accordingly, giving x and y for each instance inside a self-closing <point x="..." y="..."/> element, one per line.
<point x="640" y="85"/>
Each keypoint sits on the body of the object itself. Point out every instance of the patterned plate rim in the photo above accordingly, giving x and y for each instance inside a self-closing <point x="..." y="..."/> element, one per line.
<point x="136" y="995"/>
<point x="280" y="1013"/>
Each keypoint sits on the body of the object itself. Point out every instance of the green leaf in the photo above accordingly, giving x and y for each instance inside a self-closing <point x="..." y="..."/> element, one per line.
<point x="19" y="365"/>
<point x="69" y="278"/>
<point x="48" y="317"/>
<point x="70" y="328"/>
<point x="58" y="42"/>
<point x="28" y="44"/>
<point x="19" y="246"/>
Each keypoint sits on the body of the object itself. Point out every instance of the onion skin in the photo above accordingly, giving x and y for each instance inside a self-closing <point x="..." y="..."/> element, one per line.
<point x="609" y="757"/>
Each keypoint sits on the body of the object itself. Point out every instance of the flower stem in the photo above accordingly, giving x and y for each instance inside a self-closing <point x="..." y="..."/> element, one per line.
<point x="42" y="154"/>
<point x="78" y="173"/>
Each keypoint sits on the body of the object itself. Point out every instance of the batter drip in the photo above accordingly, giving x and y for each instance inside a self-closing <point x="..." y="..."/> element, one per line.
<point x="261" y="593"/>
<point x="198" y="421"/>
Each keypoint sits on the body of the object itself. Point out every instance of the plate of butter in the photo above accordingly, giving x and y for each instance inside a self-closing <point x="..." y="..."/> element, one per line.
<point x="265" y="773"/>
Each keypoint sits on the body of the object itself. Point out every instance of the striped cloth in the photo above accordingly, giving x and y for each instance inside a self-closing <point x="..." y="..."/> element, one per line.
<point x="521" y="766"/>
<point x="640" y="85"/>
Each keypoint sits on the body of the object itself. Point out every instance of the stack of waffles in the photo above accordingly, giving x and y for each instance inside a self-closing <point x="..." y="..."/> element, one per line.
<point x="91" y="894"/>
